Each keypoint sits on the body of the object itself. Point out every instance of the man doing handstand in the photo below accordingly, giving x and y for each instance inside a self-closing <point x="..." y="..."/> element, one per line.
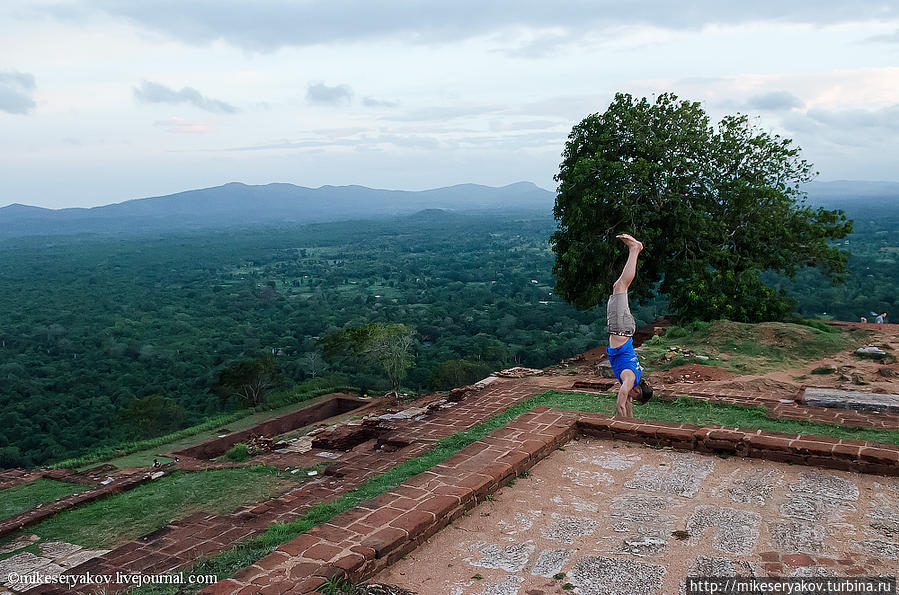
<point x="621" y="323"/>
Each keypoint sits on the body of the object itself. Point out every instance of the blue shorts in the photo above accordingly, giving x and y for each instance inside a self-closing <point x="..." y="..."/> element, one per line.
<point x="625" y="358"/>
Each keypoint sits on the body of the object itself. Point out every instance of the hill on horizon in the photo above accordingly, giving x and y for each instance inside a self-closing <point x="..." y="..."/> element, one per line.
<point x="236" y="204"/>
<point x="240" y="205"/>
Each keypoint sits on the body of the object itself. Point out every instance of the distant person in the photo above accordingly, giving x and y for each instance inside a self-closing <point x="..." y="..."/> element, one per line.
<point x="622" y="326"/>
<point x="864" y="320"/>
<point x="880" y="317"/>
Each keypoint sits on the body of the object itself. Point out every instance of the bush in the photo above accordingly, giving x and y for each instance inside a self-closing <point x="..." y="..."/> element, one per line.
<point x="817" y="324"/>
<point x="124" y="449"/>
<point x="10" y="456"/>
<point x="238" y="453"/>
<point x="457" y="372"/>
<point x="696" y="327"/>
<point x="302" y="392"/>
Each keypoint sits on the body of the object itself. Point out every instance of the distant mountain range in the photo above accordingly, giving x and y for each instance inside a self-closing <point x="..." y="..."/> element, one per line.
<point x="855" y="197"/>
<point x="237" y="204"/>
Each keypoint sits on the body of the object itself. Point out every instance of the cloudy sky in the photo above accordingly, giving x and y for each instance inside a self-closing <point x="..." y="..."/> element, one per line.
<point x="106" y="100"/>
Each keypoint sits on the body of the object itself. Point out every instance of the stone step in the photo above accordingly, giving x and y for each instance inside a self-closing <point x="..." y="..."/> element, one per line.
<point x="844" y="399"/>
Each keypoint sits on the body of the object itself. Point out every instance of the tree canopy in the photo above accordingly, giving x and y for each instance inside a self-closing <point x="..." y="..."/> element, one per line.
<point x="714" y="205"/>
<point x="92" y="323"/>
<point x="153" y="415"/>
<point x="388" y="347"/>
<point x="249" y="380"/>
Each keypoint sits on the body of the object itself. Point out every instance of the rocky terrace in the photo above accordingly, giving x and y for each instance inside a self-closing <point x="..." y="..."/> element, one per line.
<point x="362" y="542"/>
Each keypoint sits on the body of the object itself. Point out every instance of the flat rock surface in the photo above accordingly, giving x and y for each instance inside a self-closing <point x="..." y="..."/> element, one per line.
<point x="57" y="549"/>
<point x="18" y="543"/>
<point x="24" y="563"/>
<point x="56" y="557"/>
<point x="845" y="399"/>
<point x="404" y="414"/>
<point x="605" y="514"/>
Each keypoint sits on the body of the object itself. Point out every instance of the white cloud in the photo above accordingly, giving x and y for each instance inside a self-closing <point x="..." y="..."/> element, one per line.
<point x="403" y="98"/>
<point x="16" y="92"/>
<point x="885" y="119"/>
<point x="443" y="113"/>
<point x="375" y="102"/>
<point x="150" y="92"/>
<point x="885" y="38"/>
<point x="322" y="94"/>
<point x="267" y="25"/>
<point x="774" y="101"/>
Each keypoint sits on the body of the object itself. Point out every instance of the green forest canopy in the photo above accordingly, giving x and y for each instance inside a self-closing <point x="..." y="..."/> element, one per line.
<point x="92" y="324"/>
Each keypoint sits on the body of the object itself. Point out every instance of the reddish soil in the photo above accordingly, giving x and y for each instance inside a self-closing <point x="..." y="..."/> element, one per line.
<point x="643" y="333"/>
<point x="693" y="372"/>
<point x="594" y="356"/>
<point x="846" y="370"/>
<point x="763" y="386"/>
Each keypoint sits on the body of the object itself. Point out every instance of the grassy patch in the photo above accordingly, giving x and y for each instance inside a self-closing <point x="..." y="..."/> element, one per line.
<point x="142" y="452"/>
<point x="684" y="410"/>
<point x="818" y="324"/>
<point x="31" y="549"/>
<point x="238" y="453"/>
<point x="126" y="448"/>
<point x="699" y="412"/>
<point x="126" y="516"/>
<point x="28" y="495"/>
<point x="747" y="348"/>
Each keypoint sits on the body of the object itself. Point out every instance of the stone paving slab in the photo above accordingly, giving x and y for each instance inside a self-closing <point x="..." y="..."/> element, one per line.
<point x="57" y="549"/>
<point x="24" y="563"/>
<point x="55" y="557"/>
<point x="845" y="399"/>
<point x="606" y="537"/>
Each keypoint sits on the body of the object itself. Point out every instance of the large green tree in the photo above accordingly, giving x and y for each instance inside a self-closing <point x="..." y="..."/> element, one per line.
<point x="153" y="415"/>
<point x="249" y="380"/>
<point x="714" y="205"/>
<point x="388" y="347"/>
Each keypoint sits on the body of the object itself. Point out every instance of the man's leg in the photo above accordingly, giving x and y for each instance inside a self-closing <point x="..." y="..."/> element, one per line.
<point x="624" y="406"/>
<point x="624" y="281"/>
<point x="630" y="267"/>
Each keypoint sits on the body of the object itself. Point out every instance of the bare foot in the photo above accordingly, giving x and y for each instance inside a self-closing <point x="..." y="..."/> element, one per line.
<point x="632" y="243"/>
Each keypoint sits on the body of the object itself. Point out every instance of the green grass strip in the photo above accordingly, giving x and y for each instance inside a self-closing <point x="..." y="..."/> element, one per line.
<point x="703" y="413"/>
<point x="681" y="410"/>
<point x="28" y="495"/>
<point x="153" y="505"/>
<point x="126" y="448"/>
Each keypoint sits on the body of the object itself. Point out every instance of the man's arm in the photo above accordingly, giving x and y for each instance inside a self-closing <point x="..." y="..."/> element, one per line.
<point x="624" y="406"/>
